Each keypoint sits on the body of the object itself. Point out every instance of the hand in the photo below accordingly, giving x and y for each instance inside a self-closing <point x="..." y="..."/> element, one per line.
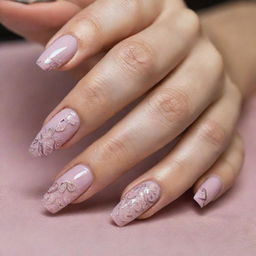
<point x="157" y="50"/>
<point x="47" y="17"/>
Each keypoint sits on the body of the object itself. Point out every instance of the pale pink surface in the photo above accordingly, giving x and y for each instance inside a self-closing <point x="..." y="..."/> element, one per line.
<point x="58" y="53"/>
<point x="226" y="227"/>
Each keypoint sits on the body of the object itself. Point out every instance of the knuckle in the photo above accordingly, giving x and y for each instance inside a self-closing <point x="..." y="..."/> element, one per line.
<point x="217" y="62"/>
<point x="236" y="93"/>
<point x="239" y="147"/>
<point x="94" y="94"/>
<point x="136" y="57"/>
<point x="93" y="28"/>
<point x="114" y="148"/>
<point x="133" y="6"/>
<point x="239" y="144"/>
<point x="216" y="67"/>
<point x="231" y="172"/>
<point x="232" y="168"/>
<point x="171" y="105"/>
<point x="189" y="22"/>
<point x="213" y="133"/>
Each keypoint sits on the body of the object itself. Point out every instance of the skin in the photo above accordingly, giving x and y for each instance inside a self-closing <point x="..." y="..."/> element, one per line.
<point x="186" y="90"/>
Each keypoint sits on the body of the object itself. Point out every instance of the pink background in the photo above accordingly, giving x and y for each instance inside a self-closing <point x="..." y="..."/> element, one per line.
<point x="227" y="227"/>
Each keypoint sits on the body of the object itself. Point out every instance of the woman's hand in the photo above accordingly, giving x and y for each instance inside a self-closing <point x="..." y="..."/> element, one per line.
<point x="158" y="51"/>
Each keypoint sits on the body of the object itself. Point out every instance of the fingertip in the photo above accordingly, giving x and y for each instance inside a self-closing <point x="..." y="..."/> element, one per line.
<point x="27" y="20"/>
<point x="209" y="190"/>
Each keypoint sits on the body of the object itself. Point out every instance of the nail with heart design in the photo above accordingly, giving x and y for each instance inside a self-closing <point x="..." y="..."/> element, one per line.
<point x="208" y="191"/>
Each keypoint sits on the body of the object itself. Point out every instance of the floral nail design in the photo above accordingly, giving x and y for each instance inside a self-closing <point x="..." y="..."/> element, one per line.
<point x="136" y="202"/>
<point x="70" y="119"/>
<point x="44" y="143"/>
<point x="67" y="188"/>
<point x="50" y="137"/>
<point x="55" y="197"/>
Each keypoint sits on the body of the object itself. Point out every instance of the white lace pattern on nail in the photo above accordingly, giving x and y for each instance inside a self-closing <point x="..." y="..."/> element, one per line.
<point x="57" y="196"/>
<point x="136" y="202"/>
<point x="45" y="142"/>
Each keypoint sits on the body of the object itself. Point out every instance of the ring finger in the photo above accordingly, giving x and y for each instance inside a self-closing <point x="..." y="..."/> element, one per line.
<point x="163" y="115"/>
<point x="194" y="154"/>
<point x="128" y="71"/>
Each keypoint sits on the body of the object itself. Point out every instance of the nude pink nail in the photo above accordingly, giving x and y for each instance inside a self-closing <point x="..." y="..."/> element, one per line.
<point x="58" y="53"/>
<point x="208" y="191"/>
<point x="67" y="188"/>
<point x="135" y="202"/>
<point x="32" y="1"/>
<point x="55" y="133"/>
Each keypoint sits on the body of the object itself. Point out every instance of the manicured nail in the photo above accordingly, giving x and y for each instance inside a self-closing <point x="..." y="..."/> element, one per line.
<point x="135" y="202"/>
<point x="32" y="1"/>
<point x="58" y="53"/>
<point x="67" y="188"/>
<point x="208" y="191"/>
<point x="55" y="133"/>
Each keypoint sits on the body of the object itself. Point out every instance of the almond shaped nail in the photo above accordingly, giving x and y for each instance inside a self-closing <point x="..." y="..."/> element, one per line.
<point x="32" y="1"/>
<point x="68" y="188"/>
<point x="208" y="191"/>
<point x="58" y="53"/>
<point x="135" y="202"/>
<point x="55" y="133"/>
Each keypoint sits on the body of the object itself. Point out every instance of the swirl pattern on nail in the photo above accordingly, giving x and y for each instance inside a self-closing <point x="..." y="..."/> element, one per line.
<point x="136" y="202"/>
<point x="48" y="139"/>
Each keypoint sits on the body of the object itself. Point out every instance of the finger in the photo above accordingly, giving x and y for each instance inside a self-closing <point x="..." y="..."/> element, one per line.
<point x="157" y="120"/>
<point x="27" y="20"/>
<point x="128" y="71"/>
<point x="222" y="174"/>
<point x="99" y="25"/>
<point x="194" y="154"/>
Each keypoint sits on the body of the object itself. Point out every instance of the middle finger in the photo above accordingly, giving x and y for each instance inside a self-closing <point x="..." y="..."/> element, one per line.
<point x="128" y="71"/>
<point x="163" y="115"/>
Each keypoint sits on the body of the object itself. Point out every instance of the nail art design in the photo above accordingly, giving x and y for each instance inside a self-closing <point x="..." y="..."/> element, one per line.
<point x="67" y="188"/>
<point x="58" y="53"/>
<point x="54" y="194"/>
<point x="208" y="191"/>
<point x="202" y="195"/>
<point x="55" y="133"/>
<point x="136" y="202"/>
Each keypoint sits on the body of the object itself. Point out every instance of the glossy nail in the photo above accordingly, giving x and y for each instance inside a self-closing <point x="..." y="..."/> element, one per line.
<point x="67" y="188"/>
<point x="58" y="53"/>
<point x="208" y="191"/>
<point x="32" y="1"/>
<point x="55" y="133"/>
<point x="135" y="202"/>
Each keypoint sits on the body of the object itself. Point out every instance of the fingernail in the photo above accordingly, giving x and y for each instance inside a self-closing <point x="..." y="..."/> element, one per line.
<point x="55" y="133"/>
<point x="58" y="53"/>
<point x="135" y="202"/>
<point x="32" y="1"/>
<point x="67" y="188"/>
<point x="208" y="191"/>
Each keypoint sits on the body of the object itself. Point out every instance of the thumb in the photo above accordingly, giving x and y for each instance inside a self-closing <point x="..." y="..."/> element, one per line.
<point x="37" y="22"/>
